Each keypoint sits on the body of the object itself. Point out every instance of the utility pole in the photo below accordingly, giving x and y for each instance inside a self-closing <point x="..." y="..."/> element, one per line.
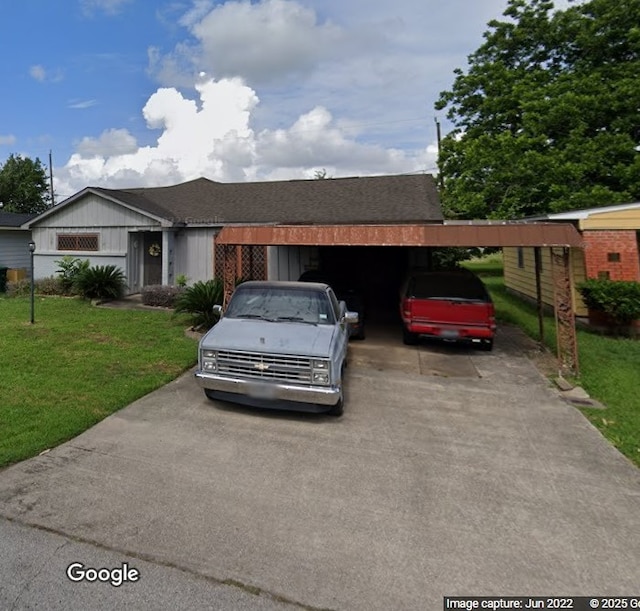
<point x="439" y="140"/>
<point x="53" y="201"/>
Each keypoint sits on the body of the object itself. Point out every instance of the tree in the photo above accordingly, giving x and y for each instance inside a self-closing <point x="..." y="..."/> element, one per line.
<point x="23" y="185"/>
<point x="546" y="117"/>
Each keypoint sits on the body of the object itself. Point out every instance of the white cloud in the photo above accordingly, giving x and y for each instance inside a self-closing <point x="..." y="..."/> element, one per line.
<point x="7" y="140"/>
<point x="265" y="41"/>
<point x="111" y="142"/>
<point x="110" y="7"/>
<point x="38" y="73"/>
<point x="82" y="104"/>
<point x="41" y="74"/>
<point x="213" y="137"/>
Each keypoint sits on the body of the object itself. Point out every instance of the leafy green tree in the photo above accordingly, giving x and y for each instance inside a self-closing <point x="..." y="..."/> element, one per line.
<point x="23" y="185"/>
<point x="546" y="116"/>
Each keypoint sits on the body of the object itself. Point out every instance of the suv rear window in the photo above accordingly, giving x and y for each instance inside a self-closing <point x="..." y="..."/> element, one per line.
<point x="446" y="286"/>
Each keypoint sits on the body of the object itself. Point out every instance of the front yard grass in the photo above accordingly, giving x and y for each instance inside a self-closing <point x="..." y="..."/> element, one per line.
<point x="609" y="366"/>
<point x="76" y="365"/>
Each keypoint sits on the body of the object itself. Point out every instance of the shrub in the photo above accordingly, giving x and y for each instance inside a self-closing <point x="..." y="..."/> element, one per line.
<point x="449" y="257"/>
<point x="160" y="295"/>
<point x="69" y="270"/>
<point x="48" y="286"/>
<point x="182" y="280"/>
<point x="101" y="282"/>
<point x="198" y="300"/>
<point x="620" y="299"/>
<point x="19" y="288"/>
<point x="42" y="286"/>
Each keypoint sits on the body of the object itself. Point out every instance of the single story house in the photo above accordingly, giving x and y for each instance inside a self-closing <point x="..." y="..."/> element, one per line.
<point x="14" y="244"/>
<point x="611" y="238"/>
<point x="157" y="234"/>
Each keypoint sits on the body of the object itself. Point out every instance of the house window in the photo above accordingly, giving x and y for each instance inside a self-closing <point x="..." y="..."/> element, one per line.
<point x="613" y="257"/>
<point x="520" y="257"/>
<point x="78" y="241"/>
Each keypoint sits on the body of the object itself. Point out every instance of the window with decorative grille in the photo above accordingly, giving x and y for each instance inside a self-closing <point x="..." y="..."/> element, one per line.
<point x="78" y="241"/>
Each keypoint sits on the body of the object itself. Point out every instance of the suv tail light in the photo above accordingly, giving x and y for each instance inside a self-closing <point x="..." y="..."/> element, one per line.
<point x="406" y="306"/>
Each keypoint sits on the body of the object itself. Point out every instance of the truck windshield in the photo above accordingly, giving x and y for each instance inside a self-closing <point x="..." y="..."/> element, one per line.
<point x="276" y="304"/>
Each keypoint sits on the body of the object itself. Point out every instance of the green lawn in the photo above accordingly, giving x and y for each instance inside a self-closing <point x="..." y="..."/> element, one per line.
<point x="609" y="367"/>
<point x="76" y="365"/>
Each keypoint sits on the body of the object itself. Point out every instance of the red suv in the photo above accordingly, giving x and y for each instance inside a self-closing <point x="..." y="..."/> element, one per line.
<point x="453" y="305"/>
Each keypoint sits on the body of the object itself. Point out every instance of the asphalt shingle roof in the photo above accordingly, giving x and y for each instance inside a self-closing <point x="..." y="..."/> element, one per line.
<point x="372" y="199"/>
<point x="13" y="219"/>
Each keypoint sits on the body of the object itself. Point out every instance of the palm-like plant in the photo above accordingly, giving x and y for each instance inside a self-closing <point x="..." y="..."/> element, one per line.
<point x="199" y="299"/>
<point x="101" y="282"/>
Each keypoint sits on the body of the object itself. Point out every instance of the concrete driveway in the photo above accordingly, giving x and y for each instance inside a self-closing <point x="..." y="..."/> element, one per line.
<point x="452" y="472"/>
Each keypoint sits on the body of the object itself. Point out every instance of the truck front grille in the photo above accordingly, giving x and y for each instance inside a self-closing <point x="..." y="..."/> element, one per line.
<point x="260" y="366"/>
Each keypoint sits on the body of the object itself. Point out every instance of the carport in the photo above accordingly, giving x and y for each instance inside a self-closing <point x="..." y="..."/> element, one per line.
<point x="556" y="236"/>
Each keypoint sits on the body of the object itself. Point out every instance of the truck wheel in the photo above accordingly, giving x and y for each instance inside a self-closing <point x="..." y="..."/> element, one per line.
<point x="337" y="409"/>
<point x="410" y="339"/>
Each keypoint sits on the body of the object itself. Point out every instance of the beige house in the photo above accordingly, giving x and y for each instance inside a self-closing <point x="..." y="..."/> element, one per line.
<point x="611" y="237"/>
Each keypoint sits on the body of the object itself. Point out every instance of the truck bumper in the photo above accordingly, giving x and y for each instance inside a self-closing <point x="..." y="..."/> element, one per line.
<point x="268" y="391"/>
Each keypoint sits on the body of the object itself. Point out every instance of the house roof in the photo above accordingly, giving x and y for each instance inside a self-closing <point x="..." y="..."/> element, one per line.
<point x="371" y="199"/>
<point x="578" y="215"/>
<point x="14" y="220"/>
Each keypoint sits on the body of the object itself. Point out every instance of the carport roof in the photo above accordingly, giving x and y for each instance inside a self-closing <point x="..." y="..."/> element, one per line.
<point x="469" y="233"/>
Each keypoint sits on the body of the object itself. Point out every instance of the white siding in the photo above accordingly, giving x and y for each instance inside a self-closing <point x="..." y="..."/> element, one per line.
<point x="288" y="262"/>
<point x="45" y="265"/>
<point x="193" y="254"/>
<point x="14" y="249"/>
<point x="96" y="212"/>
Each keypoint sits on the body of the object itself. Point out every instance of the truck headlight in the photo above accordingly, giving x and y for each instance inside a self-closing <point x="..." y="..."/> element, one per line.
<point x="320" y="371"/>
<point x="208" y="359"/>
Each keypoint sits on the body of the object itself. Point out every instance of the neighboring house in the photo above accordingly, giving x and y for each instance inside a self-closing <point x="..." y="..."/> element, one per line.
<point x="156" y="234"/>
<point x="14" y="243"/>
<point x="611" y="237"/>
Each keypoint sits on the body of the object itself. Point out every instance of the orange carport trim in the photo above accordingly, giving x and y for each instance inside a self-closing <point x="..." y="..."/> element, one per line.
<point x="467" y="234"/>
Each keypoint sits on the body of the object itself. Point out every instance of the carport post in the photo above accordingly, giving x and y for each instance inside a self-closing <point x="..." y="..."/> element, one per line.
<point x="563" y="307"/>
<point x="536" y="254"/>
<point x="230" y="263"/>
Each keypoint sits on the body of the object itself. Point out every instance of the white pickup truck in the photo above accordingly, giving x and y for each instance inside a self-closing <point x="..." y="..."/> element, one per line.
<point x="279" y="345"/>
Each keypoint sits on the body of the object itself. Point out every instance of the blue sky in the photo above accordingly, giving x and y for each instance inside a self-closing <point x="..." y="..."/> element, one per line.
<point x="130" y="93"/>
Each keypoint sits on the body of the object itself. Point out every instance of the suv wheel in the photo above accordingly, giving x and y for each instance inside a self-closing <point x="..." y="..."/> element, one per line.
<point x="487" y="345"/>
<point x="410" y="339"/>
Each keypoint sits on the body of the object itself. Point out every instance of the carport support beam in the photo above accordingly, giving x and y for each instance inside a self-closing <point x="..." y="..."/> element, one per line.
<point x="537" y="260"/>
<point x="563" y="307"/>
<point x="230" y="270"/>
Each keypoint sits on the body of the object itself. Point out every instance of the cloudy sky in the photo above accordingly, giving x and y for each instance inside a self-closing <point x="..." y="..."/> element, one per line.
<point x="129" y="93"/>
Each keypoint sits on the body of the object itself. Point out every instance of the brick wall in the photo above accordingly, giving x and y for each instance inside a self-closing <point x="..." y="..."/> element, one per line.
<point x="613" y="252"/>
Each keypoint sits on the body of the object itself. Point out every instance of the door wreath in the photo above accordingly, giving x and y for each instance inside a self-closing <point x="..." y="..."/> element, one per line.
<point x="154" y="250"/>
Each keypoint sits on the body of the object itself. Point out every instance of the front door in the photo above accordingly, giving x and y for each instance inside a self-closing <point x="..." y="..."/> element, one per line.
<point x="152" y="244"/>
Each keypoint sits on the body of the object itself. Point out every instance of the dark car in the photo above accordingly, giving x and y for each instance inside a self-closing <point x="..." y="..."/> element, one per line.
<point x="345" y="291"/>
<point x="452" y="305"/>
